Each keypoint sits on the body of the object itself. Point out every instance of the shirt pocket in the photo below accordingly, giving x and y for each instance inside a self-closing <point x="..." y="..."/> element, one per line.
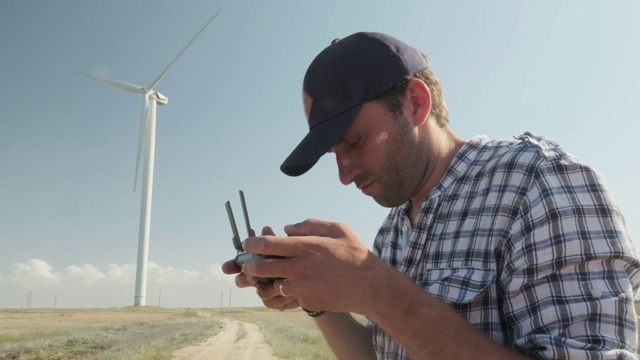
<point x="458" y="285"/>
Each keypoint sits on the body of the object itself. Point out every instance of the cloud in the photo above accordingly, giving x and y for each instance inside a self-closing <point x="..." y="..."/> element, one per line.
<point x="38" y="272"/>
<point x="170" y="275"/>
<point x="214" y="271"/>
<point x="121" y="274"/>
<point x="33" y="273"/>
<point x="87" y="274"/>
<point x="91" y="286"/>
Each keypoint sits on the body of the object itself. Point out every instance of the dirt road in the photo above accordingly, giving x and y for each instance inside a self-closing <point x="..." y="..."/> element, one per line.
<point x="238" y="340"/>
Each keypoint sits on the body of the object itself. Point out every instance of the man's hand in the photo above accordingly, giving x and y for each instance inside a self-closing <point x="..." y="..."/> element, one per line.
<point x="268" y="293"/>
<point x="326" y="266"/>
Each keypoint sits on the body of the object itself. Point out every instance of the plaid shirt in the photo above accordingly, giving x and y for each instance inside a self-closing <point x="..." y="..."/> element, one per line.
<point x="526" y="243"/>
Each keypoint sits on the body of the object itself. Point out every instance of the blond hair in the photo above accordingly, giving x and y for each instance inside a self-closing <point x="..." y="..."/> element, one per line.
<point x="393" y="97"/>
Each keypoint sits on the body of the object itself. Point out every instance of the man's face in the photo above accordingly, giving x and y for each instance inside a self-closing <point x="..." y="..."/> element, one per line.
<point x="383" y="156"/>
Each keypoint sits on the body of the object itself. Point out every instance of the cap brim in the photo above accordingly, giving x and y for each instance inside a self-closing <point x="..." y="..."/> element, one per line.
<point x="317" y="142"/>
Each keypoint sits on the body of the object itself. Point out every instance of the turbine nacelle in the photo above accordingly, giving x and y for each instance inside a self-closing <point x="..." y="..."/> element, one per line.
<point x="159" y="98"/>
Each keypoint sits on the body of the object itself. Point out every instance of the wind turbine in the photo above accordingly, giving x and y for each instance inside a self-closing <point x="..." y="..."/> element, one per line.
<point x="150" y="98"/>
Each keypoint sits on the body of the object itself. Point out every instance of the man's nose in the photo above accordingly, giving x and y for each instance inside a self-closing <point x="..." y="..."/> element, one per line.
<point x="347" y="170"/>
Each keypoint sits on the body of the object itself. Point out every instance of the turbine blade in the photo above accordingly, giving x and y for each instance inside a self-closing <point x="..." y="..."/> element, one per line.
<point x="144" y="120"/>
<point x="119" y="84"/>
<point x="159" y="77"/>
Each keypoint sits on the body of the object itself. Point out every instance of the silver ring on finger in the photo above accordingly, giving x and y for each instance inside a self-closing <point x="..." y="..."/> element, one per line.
<point x="281" y="290"/>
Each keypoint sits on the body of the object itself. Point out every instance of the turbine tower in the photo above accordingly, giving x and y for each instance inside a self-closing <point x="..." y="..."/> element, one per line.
<point x="150" y="99"/>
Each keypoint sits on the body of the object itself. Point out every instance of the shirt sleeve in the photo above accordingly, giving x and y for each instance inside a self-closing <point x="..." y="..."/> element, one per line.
<point x="571" y="271"/>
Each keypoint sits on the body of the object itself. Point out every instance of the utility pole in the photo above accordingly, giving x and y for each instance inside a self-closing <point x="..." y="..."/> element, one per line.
<point x="229" y="297"/>
<point x="159" y="296"/>
<point x="221" y="292"/>
<point x="28" y="305"/>
<point x="55" y="301"/>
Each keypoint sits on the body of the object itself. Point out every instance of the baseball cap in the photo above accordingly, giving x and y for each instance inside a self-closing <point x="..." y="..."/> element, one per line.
<point x="344" y="76"/>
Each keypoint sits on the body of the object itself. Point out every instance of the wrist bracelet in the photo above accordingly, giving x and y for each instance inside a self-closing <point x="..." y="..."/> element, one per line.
<point x="313" y="313"/>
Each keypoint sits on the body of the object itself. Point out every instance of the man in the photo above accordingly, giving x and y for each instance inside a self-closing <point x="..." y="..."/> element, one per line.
<point x="491" y="249"/>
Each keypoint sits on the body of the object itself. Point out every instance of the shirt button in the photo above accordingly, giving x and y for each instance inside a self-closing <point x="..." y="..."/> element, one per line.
<point x="596" y="293"/>
<point x="405" y="228"/>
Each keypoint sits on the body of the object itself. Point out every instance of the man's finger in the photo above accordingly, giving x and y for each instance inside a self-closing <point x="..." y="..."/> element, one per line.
<point x="281" y="303"/>
<point x="230" y="267"/>
<point x="272" y="268"/>
<point x="285" y="246"/>
<point x="267" y="231"/>
<point x="312" y="227"/>
<point x="244" y="280"/>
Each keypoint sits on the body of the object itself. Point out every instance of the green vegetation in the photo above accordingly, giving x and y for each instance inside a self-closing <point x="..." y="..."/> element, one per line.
<point x="296" y="340"/>
<point x="291" y="334"/>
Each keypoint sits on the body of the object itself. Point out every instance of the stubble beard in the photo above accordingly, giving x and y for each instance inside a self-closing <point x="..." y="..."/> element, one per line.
<point x="404" y="170"/>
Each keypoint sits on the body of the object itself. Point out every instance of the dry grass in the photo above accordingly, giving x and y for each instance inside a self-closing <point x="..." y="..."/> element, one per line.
<point x="291" y="334"/>
<point x="127" y="333"/>
<point x="142" y="333"/>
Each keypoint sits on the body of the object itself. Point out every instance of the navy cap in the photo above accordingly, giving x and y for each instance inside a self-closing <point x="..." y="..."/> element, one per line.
<point x="344" y="76"/>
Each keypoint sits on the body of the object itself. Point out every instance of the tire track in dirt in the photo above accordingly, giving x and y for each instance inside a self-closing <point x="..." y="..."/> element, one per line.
<point x="226" y="345"/>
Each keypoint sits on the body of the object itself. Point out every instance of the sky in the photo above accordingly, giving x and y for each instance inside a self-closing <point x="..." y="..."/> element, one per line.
<point x="69" y="217"/>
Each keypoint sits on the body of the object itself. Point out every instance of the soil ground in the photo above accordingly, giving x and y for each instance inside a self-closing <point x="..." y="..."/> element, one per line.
<point x="238" y="340"/>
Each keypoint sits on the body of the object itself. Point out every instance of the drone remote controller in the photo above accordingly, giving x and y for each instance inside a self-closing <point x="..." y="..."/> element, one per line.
<point x="243" y="256"/>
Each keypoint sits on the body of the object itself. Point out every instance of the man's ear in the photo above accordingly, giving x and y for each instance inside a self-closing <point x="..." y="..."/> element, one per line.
<point x="419" y="100"/>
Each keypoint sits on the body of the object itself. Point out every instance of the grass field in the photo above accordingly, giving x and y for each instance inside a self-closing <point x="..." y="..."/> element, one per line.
<point x="292" y="334"/>
<point x="145" y="333"/>
<point x="142" y="333"/>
